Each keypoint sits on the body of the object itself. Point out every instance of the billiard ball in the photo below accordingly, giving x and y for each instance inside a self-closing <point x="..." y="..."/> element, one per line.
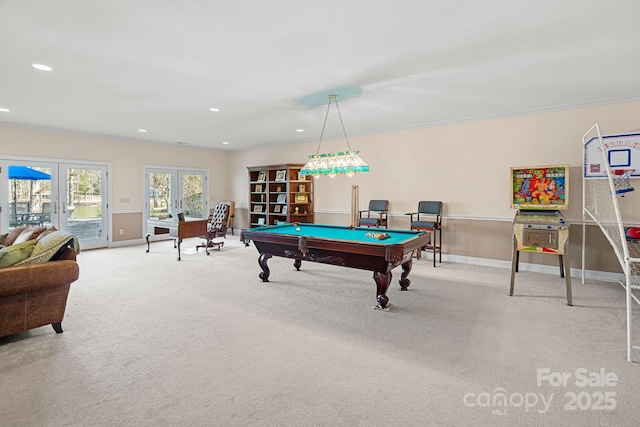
<point x="297" y="228"/>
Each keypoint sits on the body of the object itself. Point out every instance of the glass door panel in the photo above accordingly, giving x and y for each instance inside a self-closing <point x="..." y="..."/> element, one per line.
<point x="192" y="194"/>
<point x="82" y="210"/>
<point x="162" y="193"/>
<point x="28" y="193"/>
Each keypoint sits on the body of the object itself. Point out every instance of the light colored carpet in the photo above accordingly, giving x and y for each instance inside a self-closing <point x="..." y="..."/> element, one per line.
<point x="150" y="341"/>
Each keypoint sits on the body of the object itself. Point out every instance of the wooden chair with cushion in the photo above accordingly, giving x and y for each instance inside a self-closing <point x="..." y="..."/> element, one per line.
<point x="429" y="218"/>
<point x="218" y="222"/>
<point x="376" y="215"/>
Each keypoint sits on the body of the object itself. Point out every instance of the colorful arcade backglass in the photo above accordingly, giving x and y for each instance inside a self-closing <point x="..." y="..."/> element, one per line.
<point x="540" y="187"/>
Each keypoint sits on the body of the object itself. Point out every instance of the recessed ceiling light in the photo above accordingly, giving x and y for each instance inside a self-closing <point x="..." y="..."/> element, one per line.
<point x="225" y="142"/>
<point x="214" y="109"/>
<point x="142" y="130"/>
<point x="41" y="67"/>
<point x="4" y="110"/>
<point x="299" y="130"/>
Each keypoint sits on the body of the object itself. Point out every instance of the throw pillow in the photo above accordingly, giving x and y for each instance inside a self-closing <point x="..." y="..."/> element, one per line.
<point x="13" y="235"/>
<point x="10" y="255"/>
<point x="29" y="234"/>
<point x="47" y="232"/>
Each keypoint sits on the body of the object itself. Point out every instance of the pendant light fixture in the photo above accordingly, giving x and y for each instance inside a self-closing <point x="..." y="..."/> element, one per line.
<point x="333" y="164"/>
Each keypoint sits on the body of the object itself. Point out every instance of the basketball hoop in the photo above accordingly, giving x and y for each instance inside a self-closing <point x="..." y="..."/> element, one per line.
<point x="621" y="180"/>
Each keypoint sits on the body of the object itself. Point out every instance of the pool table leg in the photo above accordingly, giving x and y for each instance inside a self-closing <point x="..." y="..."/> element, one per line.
<point x="297" y="263"/>
<point x="406" y="269"/>
<point x="382" y="282"/>
<point x="262" y="260"/>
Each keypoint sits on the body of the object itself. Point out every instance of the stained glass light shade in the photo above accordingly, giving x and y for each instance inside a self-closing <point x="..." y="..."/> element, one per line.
<point x="332" y="164"/>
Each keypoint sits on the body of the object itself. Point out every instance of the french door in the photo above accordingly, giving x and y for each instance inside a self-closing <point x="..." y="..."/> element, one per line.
<point x="173" y="191"/>
<point x="70" y="197"/>
<point x="82" y="203"/>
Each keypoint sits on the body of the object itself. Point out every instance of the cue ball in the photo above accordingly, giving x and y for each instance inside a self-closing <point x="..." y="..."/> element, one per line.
<point x="297" y="228"/>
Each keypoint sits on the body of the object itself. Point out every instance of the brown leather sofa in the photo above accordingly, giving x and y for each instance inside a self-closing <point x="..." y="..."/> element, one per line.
<point x="35" y="295"/>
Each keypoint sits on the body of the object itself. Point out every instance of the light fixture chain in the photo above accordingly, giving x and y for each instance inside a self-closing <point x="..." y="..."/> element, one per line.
<point x="344" y="131"/>
<point x="324" y="125"/>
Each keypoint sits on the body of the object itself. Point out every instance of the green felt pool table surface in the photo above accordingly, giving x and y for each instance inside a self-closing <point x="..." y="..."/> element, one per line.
<point x="336" y="232"/>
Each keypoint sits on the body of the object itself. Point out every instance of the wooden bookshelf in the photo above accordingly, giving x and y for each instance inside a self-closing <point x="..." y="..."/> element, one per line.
<point x="279" y="193"/>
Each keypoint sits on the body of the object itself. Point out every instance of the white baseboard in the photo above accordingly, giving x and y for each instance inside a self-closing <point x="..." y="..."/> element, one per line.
<point x="603" y="276"/>
<point x="124" y="243"/>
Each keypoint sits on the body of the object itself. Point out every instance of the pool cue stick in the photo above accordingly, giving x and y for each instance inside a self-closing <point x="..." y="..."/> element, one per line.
<point x="355" y="190"/>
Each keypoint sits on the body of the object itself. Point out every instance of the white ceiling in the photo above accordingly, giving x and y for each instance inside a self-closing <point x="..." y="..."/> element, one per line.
<point x="124" y="65"/>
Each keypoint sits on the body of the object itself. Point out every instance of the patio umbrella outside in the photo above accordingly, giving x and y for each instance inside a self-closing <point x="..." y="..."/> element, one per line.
<point x="24" y="173"/>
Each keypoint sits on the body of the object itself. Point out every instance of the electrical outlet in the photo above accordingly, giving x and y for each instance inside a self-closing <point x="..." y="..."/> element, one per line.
<point x="122" y="231"/>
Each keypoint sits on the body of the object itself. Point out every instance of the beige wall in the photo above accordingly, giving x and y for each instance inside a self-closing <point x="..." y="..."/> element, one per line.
<point x="464" y="165"/>
<point x="467" y="167"/>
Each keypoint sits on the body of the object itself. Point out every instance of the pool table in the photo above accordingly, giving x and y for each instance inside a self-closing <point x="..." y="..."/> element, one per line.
<point x="339" y="245"/>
